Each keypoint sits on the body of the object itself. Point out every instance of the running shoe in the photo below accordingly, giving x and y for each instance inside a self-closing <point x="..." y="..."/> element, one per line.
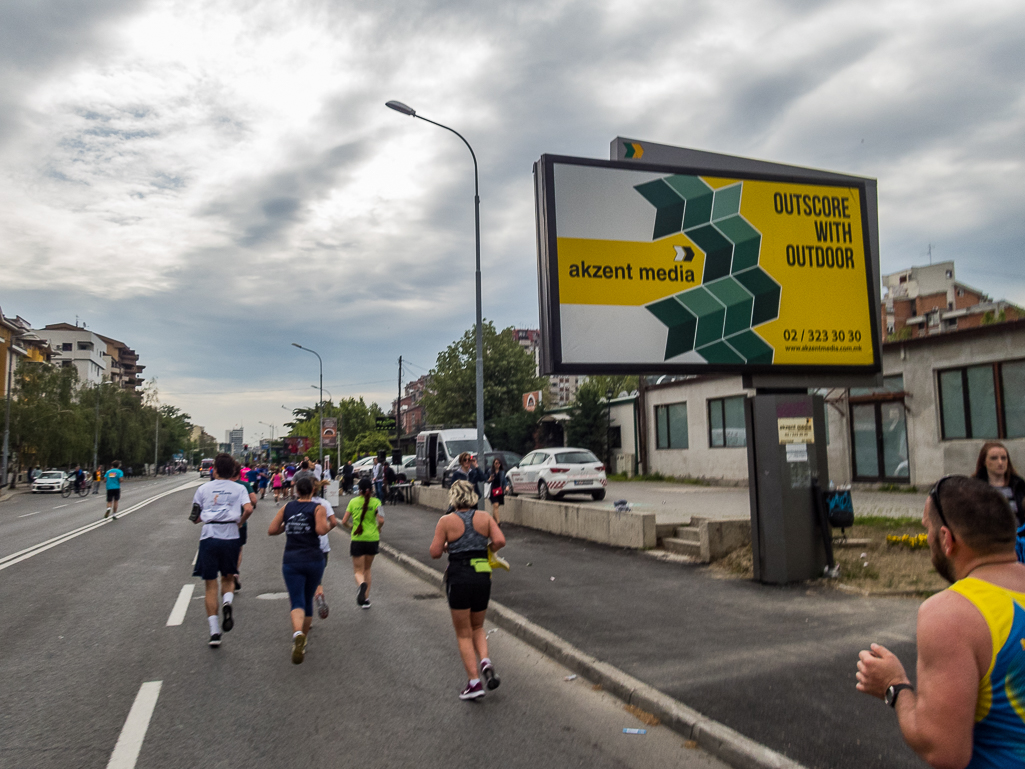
<point x="361" y="596"/>
<point x="215" y="640"/>
<point x="321" y="604"/>
<point x="472" y="691"/>
<point x="366" y="604"/>
<point x="107" y="514"/>
<point x="299" y="649"/>
<point x="228" y="623"/>
<point x="489" y="676"/>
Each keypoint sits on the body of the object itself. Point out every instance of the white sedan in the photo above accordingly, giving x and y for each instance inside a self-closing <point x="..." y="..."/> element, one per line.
<point x="50" y="480"/>
<point x="551" y="473"/>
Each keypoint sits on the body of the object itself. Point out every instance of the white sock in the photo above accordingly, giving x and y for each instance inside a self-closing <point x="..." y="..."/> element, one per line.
<point x="297" y="633"/>
<point x="485" y="661"/>
<point x="474" y="681"/>
<point x="228" y="598"/>
<point x="215" y="624"/>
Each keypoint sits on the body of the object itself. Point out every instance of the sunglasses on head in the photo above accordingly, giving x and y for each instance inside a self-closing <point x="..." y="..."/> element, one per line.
<point x="935" y="495"/>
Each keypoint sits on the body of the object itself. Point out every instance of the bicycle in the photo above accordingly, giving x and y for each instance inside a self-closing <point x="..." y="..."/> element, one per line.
<point x="69" y="487"/>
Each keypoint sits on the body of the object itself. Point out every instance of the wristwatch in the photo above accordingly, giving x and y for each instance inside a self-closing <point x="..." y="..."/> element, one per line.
<point x="890" y="698"/>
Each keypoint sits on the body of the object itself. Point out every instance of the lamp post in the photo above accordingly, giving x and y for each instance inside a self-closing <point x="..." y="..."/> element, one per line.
<point x="269" y="450"/>
<point x="407" y="110"/>
<point x="338" y="433"/>
<point x="320" y="427"/>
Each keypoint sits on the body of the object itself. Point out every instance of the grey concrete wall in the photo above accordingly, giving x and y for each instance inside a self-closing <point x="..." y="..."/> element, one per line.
<point x="590" y="522"/>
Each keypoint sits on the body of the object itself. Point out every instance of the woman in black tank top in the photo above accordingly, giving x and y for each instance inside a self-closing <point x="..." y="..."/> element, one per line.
<point x="464" y="533"/>
<point x="302" y="566"/>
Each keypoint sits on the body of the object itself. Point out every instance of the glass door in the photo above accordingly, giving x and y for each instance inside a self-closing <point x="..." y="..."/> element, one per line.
<point x="879" y="439"/>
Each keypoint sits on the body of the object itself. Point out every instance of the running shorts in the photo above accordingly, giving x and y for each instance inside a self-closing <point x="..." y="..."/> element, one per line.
<point x="466" y="588"/>
<point x="113" y="495"/>
<point x="357" y="548"/>
<point x="243" y="534"/>
<point x="216" y="555"/>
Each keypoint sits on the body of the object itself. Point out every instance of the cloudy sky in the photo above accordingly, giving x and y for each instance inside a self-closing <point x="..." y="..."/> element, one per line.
<point x="210" y="181"/>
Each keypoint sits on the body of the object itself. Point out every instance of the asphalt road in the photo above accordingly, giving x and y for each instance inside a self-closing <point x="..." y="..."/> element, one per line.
<point x="85" y="641"/>
<point x="775" y="663"/>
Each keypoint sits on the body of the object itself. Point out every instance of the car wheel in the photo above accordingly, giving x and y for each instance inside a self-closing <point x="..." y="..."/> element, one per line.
<point x="598" y="496"/>
<point x="542" y="490"/>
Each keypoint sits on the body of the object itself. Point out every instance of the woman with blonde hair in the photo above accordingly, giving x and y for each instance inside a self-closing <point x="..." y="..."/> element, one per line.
<point x="464" y="534"/>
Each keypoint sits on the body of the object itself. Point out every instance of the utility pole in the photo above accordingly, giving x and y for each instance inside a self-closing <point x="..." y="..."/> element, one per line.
<point x="398" y="413"/>
<point x="156" y="442"/>
<point x="7" y="415"/>
<point x="96" y="436"/>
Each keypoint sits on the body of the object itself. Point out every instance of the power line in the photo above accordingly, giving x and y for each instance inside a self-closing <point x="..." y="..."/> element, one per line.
<point x="266" y="390"/>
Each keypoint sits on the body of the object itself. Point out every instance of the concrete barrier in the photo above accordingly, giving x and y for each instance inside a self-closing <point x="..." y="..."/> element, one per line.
<point x="720" y="537"/>
<point x="590" y="522"/>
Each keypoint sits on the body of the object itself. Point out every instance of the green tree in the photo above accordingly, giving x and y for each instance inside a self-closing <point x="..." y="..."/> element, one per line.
<point x="588" y="420"/>
<point x="508" y="373"/>
<point x="356" y="419"/>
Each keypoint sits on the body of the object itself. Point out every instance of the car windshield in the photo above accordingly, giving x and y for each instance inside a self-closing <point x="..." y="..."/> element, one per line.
<point x="576" y="458"/>
<point x="455" y="448"/>
<point x="49" y="476"/>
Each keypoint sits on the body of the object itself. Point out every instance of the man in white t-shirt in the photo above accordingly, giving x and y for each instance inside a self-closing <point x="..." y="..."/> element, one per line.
<point x="325" y="547"/>
<point x="222" y="506"/>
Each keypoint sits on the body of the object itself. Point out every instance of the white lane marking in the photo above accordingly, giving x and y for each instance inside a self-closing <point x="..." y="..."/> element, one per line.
<point x="181" y="605"/>
<point x="37" y="512"/>
<point x="126" y="752"/>
<point x="272" y="596"/>
<point x="28" y="552"/>
<point x="81" y="501"/>
<point x="195" y="558"/>
<point x="59" y="507"/>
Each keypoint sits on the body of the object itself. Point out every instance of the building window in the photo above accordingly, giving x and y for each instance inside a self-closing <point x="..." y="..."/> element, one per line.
<point x="950" y="273"/>
<point x="615" y="437"/>
<point x="983" y="401"/>
<point x="67" y="347"/>
<point x="671" y="426"/>
<point x="85" y="345"/>
<point x="726" y="422"/>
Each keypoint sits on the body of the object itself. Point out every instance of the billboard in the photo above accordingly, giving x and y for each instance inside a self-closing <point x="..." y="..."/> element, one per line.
<point x="297" y="445"/>
<point x="646" y="268"/>
<point x="329" y="432"/>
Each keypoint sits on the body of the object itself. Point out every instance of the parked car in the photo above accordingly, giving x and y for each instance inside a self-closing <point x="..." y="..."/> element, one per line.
<point x="509" y="459"/>
<point x="50" y="480"/>
<point x="361" y="467"/>
<point x="551" y="473"/>
<point x="408" y="467"/>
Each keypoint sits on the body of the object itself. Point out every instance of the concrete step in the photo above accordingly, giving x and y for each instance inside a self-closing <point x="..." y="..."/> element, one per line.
<point x="682" y="547"/>
<point x="688" y="533"/>
<point x="662" y="530"/>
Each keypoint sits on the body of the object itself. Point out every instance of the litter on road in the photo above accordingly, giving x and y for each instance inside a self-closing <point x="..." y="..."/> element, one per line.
<point x="635" y="731"/>
<point x="570" y="677"/>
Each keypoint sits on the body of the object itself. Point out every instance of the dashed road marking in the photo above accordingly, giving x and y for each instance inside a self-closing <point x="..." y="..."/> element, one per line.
<point x="126" y="751"/>
<point x="37" y="512"/>
<point x="181" y="605"/>
<point x="59" y="507"/>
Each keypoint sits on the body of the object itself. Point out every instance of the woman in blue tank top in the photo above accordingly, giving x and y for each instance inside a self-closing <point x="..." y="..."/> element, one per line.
<point x="464" y="534"/>
<point x="302" y="522"/>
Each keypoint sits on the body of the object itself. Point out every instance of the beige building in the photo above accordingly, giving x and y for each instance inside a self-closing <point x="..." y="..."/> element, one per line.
<point x="943" y="396"/>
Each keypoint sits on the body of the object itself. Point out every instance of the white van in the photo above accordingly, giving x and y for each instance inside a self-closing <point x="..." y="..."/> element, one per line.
<point x="436" y="448"/>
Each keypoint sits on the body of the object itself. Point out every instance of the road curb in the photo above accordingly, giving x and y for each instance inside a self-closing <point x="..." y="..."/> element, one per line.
<point x="718" y="739"/>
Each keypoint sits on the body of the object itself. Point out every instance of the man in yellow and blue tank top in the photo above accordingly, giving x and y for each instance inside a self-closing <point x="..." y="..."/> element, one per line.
<point x="968" y="708"/>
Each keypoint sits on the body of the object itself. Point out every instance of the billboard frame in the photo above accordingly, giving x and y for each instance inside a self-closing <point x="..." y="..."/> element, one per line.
<point x="739" y="168"/>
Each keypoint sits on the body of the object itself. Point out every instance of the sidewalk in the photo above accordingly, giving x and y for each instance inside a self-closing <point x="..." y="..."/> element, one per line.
<point x="776" y="664"/>
<point x="677" y="502"/>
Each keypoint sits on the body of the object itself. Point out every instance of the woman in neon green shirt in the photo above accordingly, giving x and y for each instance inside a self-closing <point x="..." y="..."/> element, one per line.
<point x="364" y="516"/>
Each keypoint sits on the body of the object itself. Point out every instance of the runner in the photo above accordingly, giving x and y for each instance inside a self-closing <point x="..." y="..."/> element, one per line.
<point x="319" y="601"/>
<point x="276" y="483"/>
<point x="243" y="529"/>
<point x="464" y="534"/>
<point x="113" y="476"/>
<point x="303" y="563"/>
<point x="263" y="477"/>
<point x="222" y="506"/>
<point x="289" y="476"/>
<point x="365" y="538"/>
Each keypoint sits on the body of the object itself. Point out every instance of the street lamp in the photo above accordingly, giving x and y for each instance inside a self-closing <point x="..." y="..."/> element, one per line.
<point x="321" y="426"/>
<point x="271" y="448"/>
<point x="407" y="110"/>
<point x="338" y="436"/>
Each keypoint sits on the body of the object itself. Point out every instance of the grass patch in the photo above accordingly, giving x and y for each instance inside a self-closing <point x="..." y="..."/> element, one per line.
<point x="898" y="488"/>
<point x="876" y="567"/>
<point x="659" y="477"/>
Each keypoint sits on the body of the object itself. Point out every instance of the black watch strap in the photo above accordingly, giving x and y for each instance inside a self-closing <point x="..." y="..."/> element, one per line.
<point x="893" y="691"/>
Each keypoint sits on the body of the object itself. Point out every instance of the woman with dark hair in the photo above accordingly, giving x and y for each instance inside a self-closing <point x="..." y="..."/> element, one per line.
<point x="364" y="516"/>
<point x="994" y="466"/>
<point x="497" y="480"/>
<point x="302" y="521"/>
<point x="464" y="534"/>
